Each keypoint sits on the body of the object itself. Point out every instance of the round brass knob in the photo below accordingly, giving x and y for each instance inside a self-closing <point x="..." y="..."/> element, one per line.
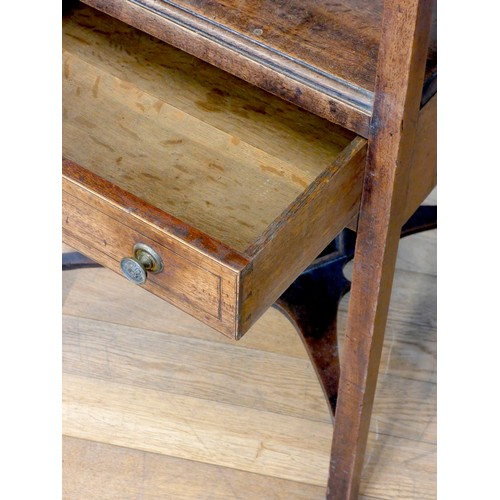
<point x="144" y="260"/>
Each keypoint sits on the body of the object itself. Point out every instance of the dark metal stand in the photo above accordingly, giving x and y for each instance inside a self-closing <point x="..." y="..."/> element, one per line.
<point x="311" y="302"/>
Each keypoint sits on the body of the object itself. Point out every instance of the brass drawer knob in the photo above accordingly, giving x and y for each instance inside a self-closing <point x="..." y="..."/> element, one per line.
<point x="145" y="260"/>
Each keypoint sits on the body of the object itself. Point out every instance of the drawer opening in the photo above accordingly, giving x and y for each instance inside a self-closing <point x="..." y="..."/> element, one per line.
<point x="227" y="159"/>
<point x="183" y="136"/>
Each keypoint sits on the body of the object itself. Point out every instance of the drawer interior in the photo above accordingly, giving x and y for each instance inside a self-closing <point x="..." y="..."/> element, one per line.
<point x="247" y="171"/>
<point x="183" y="136"/>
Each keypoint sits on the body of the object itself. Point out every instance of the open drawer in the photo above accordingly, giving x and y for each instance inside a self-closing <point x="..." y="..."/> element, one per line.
<point x="236" y="191"/>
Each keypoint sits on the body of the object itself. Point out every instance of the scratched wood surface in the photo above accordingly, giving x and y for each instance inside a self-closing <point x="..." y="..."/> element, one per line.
<point x="195" y="142"/>
<point x="319" y="55"/>
<point x="157" y="405"/>
<point x="339" y="38"/>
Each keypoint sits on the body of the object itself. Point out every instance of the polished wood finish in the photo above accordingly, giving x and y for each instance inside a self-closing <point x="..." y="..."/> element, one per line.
<point x="391" y="145"/>
<point x="321" y="56"/>
<point x="266" y="373"/>
<point x="222" y="180"/>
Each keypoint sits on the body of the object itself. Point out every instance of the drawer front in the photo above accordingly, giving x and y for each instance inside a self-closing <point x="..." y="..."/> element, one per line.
<point x="188" y="280"/>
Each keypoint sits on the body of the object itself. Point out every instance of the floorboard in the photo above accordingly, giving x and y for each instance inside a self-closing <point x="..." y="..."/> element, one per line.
<point x="157" y="405"/>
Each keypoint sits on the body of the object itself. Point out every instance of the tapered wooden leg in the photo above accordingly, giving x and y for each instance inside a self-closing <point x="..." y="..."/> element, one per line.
<point x="311" y="303"/>
<point x="367" y="315"/>
<point x="398" y="89"/>
<point x="368" y="308"/>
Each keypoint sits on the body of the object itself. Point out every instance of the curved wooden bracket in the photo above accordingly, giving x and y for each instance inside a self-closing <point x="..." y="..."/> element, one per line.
<point x="311" y="302"/>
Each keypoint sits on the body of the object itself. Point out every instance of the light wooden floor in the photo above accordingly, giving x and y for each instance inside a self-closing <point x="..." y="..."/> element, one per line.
<point x="158" y="406"/>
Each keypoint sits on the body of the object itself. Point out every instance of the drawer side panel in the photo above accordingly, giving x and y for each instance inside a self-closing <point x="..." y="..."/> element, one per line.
<point x="294" y="240"/>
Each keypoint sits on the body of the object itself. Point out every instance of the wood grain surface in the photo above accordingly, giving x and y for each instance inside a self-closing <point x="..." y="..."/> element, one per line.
<point x="297" y="237"/>
<point x="391" y="147"/>
<point x="160" y="405"/>
<point x="320" y="56"/>
<point x="339" y="38"/>
<point x="98" y="223"/>
<point x="183" y="136"/>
